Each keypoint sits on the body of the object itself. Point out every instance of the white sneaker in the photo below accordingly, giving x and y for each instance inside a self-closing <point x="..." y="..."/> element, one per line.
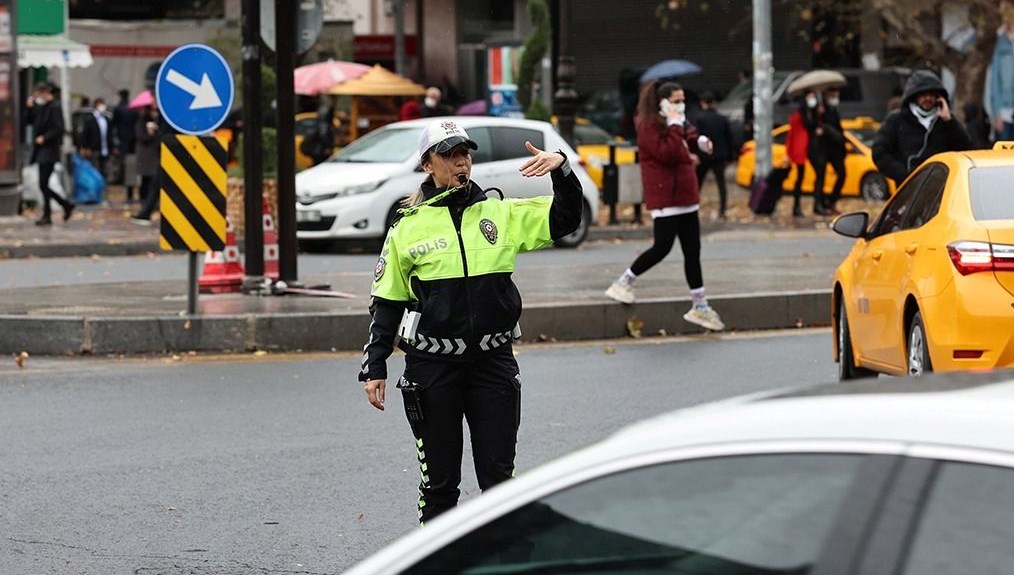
<point x="707" y="318"/>
<point x="622" y="293"/>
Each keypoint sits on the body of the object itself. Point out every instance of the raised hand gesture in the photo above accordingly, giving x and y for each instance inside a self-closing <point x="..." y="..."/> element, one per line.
<point x="541" y="163"/>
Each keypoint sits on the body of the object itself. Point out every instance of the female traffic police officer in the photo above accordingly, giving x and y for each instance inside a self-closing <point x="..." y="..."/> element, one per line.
<point x="444" y="273"/>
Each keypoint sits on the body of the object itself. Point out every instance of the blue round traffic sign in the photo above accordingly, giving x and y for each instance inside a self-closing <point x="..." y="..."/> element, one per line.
<point x="194" y="89"/>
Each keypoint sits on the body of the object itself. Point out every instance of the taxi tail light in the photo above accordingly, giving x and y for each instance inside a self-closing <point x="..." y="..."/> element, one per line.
<point x="967" y="353"/>
<point x="972" y="257"/>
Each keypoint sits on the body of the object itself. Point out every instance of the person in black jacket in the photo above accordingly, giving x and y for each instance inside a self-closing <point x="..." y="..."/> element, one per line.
<point x="97" y="137"/>
<point x="48" y="130"/>
<point x="716" y="127"/>
<point x="826" y="146"/>
<point x="923" y="126"/>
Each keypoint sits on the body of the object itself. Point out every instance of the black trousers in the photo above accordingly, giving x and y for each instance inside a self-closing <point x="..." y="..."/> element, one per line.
<point x="45" y="171"/>
<point x="717" y="168"/>
<point x="688" y="228"/>
<point x="485" y="391"/>
<point x="820" y="167"/>
<point x="150" y="193"/>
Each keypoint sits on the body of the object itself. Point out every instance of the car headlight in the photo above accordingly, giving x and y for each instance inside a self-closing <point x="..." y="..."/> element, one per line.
<point x="307" y="200"/>
<point x="361" y="188"/>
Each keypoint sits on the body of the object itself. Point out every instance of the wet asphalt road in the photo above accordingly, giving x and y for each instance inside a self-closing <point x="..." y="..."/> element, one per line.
<point x="276" y="464"/>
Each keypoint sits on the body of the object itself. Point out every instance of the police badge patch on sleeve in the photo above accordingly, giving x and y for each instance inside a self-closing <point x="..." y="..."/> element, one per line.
<point x="378" y="272"/>
<point x="488" y="229"/>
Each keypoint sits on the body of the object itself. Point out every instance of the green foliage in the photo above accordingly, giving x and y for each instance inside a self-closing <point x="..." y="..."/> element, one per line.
<point x="537" y="111"/>
<point x="228" y="45"/>
<point x="269" y="152"/>
<point x="534" y="50"/>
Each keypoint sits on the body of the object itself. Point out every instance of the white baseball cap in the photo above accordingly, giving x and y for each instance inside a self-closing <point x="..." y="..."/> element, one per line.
<point x="442" y="135"/>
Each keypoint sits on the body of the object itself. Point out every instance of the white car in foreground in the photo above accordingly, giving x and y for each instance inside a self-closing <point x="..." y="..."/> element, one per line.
<point x="355" y="193"/>
<point x="872" y="478"/>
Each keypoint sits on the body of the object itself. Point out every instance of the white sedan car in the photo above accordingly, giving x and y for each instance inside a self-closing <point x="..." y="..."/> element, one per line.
<point x="872" y="478"/>
<point x="355" y="193"/>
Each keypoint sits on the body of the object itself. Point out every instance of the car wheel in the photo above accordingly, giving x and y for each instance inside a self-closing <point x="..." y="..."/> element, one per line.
<point x="574" y="239"/>
<point x="873" y="187"/>
<point x="846" y="356"/>
<point x="918" y="351"/>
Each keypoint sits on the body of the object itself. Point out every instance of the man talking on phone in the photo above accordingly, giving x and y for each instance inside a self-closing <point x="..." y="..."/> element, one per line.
<point x="923" y="126"/>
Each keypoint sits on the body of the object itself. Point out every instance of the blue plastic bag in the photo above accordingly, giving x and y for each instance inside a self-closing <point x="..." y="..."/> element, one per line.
<point x="88" y="182"/>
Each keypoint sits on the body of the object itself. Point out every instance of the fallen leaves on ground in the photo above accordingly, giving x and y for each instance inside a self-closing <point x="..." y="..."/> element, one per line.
<point x="634" y="327"/>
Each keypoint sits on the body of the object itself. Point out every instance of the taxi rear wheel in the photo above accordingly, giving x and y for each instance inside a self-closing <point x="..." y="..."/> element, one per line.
<point x="874" y="188"/>
<point x="846" y="356"/>
<point x="918" y="352"/>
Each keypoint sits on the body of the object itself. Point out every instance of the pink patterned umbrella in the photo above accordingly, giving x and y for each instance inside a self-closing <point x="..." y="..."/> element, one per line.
<point x="141" y="100"/>
<point x="312" y="79"/>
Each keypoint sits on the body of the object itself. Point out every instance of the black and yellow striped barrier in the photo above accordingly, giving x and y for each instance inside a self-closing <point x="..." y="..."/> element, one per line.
<point x="192" y="196"/>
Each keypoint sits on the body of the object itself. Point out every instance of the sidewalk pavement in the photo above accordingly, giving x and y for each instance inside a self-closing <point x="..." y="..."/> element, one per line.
<point x="561" y="303"/>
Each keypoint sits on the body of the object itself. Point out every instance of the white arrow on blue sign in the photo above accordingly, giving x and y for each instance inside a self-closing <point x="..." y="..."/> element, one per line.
<point x="194" y="89"/>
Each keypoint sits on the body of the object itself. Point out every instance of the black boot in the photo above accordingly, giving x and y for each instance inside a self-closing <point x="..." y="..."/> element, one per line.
<point x="797" y="210"/>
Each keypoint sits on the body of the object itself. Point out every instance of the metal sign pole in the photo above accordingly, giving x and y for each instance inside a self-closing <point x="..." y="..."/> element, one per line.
<point x="192" y="279"/>
<point x="762" y="72"/>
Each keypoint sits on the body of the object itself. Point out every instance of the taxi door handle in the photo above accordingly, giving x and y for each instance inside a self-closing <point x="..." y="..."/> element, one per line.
<point x="877" y="255"/>
<point x="911" y="248"/>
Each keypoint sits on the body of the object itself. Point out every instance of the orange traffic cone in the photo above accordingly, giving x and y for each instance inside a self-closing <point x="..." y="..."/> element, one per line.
<point x="270" y="244"/>
<point x="223" y="271"/>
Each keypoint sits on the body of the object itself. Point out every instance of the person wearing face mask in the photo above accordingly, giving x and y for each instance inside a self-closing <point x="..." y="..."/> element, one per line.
<point x="48" y="130"/>
<point x="796" y="146"/>
<point x="923" y="126"/>
<point x="433" y="105"/>
<point x="443" y="293"/>
<point x="667" y="150"/>
<point x="97" y="137"/>
<point x="825" y="146"/>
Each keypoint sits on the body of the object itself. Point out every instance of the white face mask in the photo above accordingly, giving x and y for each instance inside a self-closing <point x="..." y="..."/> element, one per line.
<point x="430" y="102"/>
<point x="40" y="101"/>
<point x="833" y="102"/>
<point x="811" y="102"/>
<point x="680" y="107"/>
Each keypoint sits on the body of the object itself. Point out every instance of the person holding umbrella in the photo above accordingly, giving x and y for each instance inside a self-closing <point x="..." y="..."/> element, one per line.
<point x="826" y="145"/>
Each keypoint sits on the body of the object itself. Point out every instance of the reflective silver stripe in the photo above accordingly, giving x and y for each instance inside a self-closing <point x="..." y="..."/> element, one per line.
<point x="494" y="340"/>
<point x="439" y="345"/>
<point x="457" y="346"/>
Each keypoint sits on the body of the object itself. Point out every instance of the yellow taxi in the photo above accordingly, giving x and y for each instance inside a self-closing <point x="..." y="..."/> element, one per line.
<point x="592" y="144"/>
<point x="929" y="285"/>
<point x="305" y="124"/>
<point x="861" y="175"/>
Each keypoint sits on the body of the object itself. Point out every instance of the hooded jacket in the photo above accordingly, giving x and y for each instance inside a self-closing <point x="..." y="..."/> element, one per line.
<point x="452" y="260"/>
<point x="902" y="144"/>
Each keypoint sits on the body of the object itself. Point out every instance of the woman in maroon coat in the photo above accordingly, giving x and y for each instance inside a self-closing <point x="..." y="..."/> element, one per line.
<point x="666" y="148"/>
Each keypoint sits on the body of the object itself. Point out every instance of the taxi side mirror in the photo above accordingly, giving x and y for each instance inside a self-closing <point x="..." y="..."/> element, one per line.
<point x="852" y="225"/>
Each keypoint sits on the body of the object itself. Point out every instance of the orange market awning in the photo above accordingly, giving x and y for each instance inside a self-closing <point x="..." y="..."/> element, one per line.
<point x="379" y="81"/>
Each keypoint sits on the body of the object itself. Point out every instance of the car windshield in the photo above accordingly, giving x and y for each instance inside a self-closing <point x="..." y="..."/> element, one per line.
<point x="383" y="146"/>
<point x="990" y="192"/>
<point x="738" y="96"/>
